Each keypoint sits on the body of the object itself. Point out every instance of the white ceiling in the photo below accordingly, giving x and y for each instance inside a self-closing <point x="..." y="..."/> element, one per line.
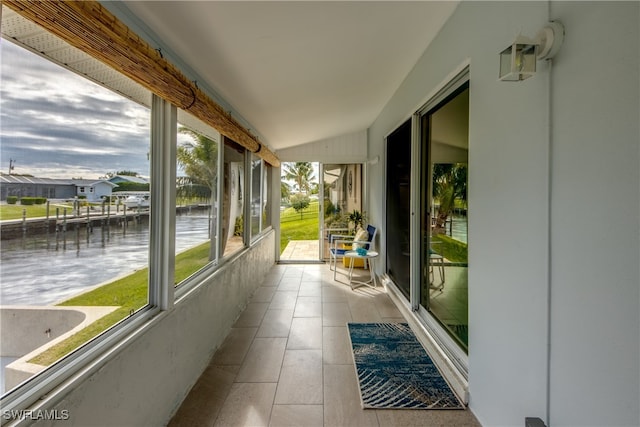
<point x="298" y="71"/>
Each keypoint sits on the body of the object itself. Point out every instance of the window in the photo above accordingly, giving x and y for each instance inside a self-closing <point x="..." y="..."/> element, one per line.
<point x="260" y="201"/>
<point x="99" y="256"/>
<point x="445" y="148"/>
<point x="232" y="237"/>
<point x="257" y="182"/>
<point x="266" y="196"/>
<point x="198" y="157"/>
<point x="112" y="253"/>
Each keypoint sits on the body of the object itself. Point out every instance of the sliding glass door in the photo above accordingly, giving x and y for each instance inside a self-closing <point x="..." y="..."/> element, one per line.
<point x="426" y="215"/>
<point x="398" y="207"/>
<point x="443" y="205"/>
<point x="341" y="196"/>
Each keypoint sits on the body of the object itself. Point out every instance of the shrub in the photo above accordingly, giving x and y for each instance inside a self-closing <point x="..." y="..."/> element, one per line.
<point x="33" y="200"/>
<point x="299" y="202"/>
<point x="452" y="249"/>
<point x="132" y="186"/>
<point x="12" y="200"/>
<point x="330" y="208"/>
<point x="28" y="201"/>
<point x="238" y="226"/>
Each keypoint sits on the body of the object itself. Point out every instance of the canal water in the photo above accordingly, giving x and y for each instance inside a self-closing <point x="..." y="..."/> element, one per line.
<point x="50" y="268"/>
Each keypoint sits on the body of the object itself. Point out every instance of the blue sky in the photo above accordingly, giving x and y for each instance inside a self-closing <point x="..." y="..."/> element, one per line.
<point x="56" y="124"/>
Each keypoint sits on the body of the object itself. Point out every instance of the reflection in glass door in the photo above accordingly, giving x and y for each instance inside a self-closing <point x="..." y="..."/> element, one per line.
<point x="342" y="196"/>
<point x="444" y="176"/>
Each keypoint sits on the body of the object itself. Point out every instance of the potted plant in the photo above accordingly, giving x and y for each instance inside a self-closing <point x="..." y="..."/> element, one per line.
<point x="357" y="218"/>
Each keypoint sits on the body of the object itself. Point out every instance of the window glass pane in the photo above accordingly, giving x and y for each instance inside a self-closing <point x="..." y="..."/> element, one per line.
<point x="266" y="196"/>
<point x="342" y="198"/>
<point x="444" y="283"/>
<point x="233" y="198"/>
<point x="196" y="196"/>
<point x="256" y="194"/>
<point x="399" y="206"/>
<point x="75" y="150"/>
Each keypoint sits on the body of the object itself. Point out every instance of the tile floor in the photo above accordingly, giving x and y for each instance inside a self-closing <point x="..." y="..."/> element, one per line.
<point x="301" y="250"/>
<point x="451" y="304"/>
<point x="287" y="361"/>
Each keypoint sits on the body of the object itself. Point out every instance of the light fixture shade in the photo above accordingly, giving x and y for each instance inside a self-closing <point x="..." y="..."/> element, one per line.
<point x="518" y="61"/>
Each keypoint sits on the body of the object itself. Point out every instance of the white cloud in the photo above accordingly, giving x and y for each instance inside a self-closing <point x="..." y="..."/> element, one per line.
<point x="56" y="124"/>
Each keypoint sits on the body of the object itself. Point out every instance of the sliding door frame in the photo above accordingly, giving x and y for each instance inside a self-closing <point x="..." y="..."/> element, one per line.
<point x="452" y="349"/>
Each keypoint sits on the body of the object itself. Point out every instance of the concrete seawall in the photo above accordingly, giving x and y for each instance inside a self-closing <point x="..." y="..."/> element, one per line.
<point x="26" y="331"/>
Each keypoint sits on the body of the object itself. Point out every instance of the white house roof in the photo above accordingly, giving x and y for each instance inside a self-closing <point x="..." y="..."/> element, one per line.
<point x="128" y="178"/>
<point x="19" y="179"/>
<point x="91" y="182"/>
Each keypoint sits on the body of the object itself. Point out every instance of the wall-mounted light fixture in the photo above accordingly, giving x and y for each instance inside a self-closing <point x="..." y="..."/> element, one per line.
<point x="518" y="61"/>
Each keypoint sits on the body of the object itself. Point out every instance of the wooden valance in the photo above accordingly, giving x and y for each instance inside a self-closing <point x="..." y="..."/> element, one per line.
<point x="88" y="26"/>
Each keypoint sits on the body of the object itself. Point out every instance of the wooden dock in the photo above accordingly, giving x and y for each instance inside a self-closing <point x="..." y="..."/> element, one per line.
<point x="34" y="226"/>
<point x="62" y="222"/>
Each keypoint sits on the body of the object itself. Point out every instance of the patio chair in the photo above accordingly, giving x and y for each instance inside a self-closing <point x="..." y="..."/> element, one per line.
<point x="337" y="249"/>
<point x="436" y="260"/>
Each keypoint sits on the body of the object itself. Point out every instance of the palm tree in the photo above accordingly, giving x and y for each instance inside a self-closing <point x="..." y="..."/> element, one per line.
<point x="449" y="184"/>
<point x="301" y="173"/>
<point x="285" y="190"/>
<point x="199" y="159"/>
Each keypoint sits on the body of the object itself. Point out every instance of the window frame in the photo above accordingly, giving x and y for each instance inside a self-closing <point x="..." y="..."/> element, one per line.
<point x="85" y="360"/>
<point x="246" y="183"/>
<point x="67" y="373"/>
<point x="262" y="180"/>
<point x="188" y="283"/>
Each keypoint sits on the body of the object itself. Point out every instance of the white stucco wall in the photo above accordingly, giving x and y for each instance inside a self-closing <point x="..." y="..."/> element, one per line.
<point x="595" y="231"/>
<point x="146" y="380"/>
<point x="585" y="253"/>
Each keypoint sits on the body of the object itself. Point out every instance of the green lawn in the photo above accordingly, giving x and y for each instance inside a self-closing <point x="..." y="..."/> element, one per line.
<point x="294" y="228"/>
<point x="33" y="211"/>
<point x="451" y="249"/>
<point x="129" y="293"/>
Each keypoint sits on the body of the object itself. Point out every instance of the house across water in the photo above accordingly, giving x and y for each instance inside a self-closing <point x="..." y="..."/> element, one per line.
<point x="94" y="190"/>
